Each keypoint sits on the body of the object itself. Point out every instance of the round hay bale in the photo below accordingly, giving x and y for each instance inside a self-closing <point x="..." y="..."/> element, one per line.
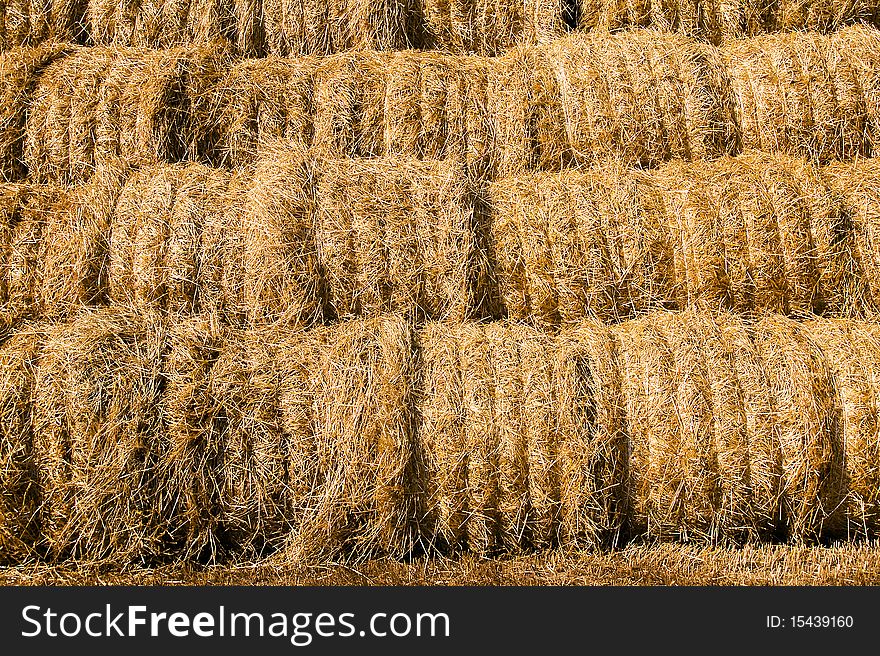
<point x="156" y="257"/>
<point x="364" y="430"/>
<point x="490" y="27"/>
<point x="441" y="437"/>
<point x="670" y="420"/>
<point x="597" y="484"/>
<point x="854" y="186"/>
<point x="252" y="507"/>
<point x="808" y="415"/>
<point x="19" y="478"/>
<point x="398" y="235"/>
<point x="860" y="46"/>
<point x="527" y="113"/>
<point x="853" y="353"/>
<point x="74" y="248"/>
<point x="260" y="101"/>
<point x="642" y="97"/>
<point x="763" y="220"/>
<point x="280" y="273"/>
<point x="796" y="94"/>
<point x="20" y="70"/>
<point x="191" y="424"/>
<point x="95" y="421"/>
<point x="350" y="105"/>
<point x="572" y="245"/>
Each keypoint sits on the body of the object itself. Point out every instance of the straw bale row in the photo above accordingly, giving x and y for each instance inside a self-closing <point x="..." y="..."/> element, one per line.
<point x="641" y="97"/>
<point x="301" y="241"/>
<point x="487" y="27"/>
<point x="132" y="439"/>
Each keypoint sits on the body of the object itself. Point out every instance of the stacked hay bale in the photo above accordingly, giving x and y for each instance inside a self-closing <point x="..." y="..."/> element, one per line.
<point x="19" y="479"/>
<point x="798" y="94"/>
<point x="26" y="23"/>
<point x="489" y="27"/>
<point x="642" y="97"/>
<point x="157" y="259"/>
<point x="19" y="72"/>
<point x="852" y="350"/>
<point x="854" y="187"/>
<point x="356" y="489"/>
<point x="399" y="235"/>
<point x="571" y="245"/>
<point x="101" y="106"/>
<point x="97" y="438"/>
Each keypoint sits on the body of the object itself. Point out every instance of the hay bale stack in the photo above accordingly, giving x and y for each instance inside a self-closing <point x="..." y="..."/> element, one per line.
<point x="321" y="27"/>
<point x="799" y="95"/>
<point x="792" y="15"/>
<point x="96" y="427"/>
<point x="260" y="101"/>
<point x="280" y="269"/>
<point x="853" y="353"/>
<point x="489" y="27"/>
<point x="75" y="246"/>
<point x="808" y="416"/>
<point x="105" y="105"/>
<point x="642" y="97"/>
<point x="855" y="187"/>
<point x="398" y="235"/>
<point x="20" y="69"/>
<point x="596" y="482"/>
<point x="19" y="479"/>
<point x="157" y="260"/>
<point x="570" y="245"/>
<point x="362" y="501"/>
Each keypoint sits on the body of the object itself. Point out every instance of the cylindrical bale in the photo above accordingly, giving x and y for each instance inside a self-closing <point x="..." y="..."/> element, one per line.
<point x="74" y="251"/>
<point x="527" y="113"/>
<point x="19" y="476"/>
<point x="809" y="419"/>
<point x="191" y="425"/>
<point x="854" y="186"/>
<point x="747" y="438"/>
<point x="796" y="94"/>
<point x="597" y="482"/>
<point x="761" y="218"/>
<point x="399" y="235"/>
<point x="259" y="101"/>
<point x="669" y="418"/>
<point x="156" y="257"/>
<point x="852" y="350"/>
<point x="281" y="271"/>
<point x="572" y="245"/>
<point x="642" y="98"/>
<point x="20" y="70"/>
<point x="96" y="427"/>
<point x="349" y="102"/>
<point x="253" y="510"/>
<point x="364" y="429"/>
